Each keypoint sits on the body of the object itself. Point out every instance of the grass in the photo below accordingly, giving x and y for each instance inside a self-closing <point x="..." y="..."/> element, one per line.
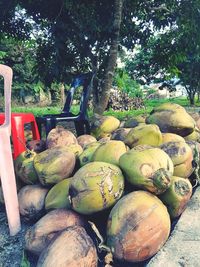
<point x="149" y="105"/>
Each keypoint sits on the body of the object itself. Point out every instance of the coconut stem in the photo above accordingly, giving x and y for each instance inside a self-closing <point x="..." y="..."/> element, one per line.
<point x="101" y="245"/>
<point x="22" y="142"/>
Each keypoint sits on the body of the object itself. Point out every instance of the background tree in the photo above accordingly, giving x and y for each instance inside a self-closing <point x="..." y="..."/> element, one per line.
<point x="20" y="55"/>
<point x="173" y="52"/>
<point x="79" y="34"/>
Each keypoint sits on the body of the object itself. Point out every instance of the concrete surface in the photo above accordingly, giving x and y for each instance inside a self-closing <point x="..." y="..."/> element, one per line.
<point x="183" y="247"/>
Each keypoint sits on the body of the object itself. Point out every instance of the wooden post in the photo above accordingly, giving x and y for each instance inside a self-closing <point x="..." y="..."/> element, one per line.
<point x="6" y="161"/>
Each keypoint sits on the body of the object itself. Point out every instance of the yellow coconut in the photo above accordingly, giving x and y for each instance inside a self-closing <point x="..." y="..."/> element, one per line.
<point x="102" y="125"/>
<point x="145" y="134"/>
<point x="171" y="137"/>
<point x="109" y="152"/>
<point x="138" y="226"/>
<point x="148" y="168"/>
<point x="172" y="118"/>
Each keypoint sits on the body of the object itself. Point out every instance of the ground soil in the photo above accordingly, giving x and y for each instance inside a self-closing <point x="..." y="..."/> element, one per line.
<point x="11" y="248"/>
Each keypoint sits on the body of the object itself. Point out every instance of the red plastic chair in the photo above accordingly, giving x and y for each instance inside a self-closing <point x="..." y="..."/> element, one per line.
<point x="6" y="161"/>
<point x="18" y="121"/>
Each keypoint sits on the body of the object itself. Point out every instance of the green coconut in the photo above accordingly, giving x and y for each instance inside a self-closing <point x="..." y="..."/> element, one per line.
<point x="53" y="165"/>
<point x="58" y="196"/>
<point x="102" y="126"/>
<point x="147" y="167"/>
<point x="138" y="226"/>
<point x="110" y="152"/>
<point x="172" y="118"/>
<point x="96" y="187"/>
<point x="87" y="154"/>
<point x="24" y="167"/>
<point x="177" y="196"/>
<point x="144" y="134"/>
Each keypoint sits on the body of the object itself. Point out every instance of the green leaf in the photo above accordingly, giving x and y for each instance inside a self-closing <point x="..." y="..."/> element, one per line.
<point x="25" y="262"/>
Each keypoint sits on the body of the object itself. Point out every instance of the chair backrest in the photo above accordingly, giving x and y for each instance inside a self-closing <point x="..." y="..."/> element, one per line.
<point x="85" y="80"/>
<point x="7" y="74"/>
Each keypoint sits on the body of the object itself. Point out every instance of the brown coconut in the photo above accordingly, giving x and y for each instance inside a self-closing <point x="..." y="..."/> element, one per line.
<point x="182" y="157"/>
<point x="31" y="201"/>
<point x="36" y="145"/>
<point x="138" y="226"/>
<point x="120" y="134"/>
<point x="73" y="247"/>
<point x="40" y="235"/>
<point x="196" y="117"/>
<point x="85" y="139"/>
<point x="60" y="137"/>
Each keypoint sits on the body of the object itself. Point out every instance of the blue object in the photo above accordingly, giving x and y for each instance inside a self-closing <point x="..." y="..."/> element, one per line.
<point x="80" y="120"/>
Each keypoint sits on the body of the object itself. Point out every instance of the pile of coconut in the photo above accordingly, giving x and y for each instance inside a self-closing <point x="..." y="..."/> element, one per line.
<point x="109" y="197"/>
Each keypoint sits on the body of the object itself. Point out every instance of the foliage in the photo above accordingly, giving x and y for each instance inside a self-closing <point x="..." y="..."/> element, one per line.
<point x="19" y="55"/>
<point x="123" y="81"/>
<point x="76" y="35"/>
<point x="173" y="52"/>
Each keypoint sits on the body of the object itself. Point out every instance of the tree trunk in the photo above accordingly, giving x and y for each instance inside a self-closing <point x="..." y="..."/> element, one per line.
<point x="191" y="98"/>
<point x="62" y="95"/>
<point x="112" y="59"/>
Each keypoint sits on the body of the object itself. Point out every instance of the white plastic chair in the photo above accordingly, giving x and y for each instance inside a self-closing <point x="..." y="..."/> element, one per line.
<point x="7" y="174"/>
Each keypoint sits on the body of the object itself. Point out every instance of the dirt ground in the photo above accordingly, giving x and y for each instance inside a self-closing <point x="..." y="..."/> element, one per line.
<point x="11" y="248"/>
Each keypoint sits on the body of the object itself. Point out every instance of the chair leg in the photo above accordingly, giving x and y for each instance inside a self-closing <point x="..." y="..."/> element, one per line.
<point x="49" y="125"/>
<point x="87" y="127"/>
<point x="35" y="131"/>
<point x="79" y="126"/>
<point x="39" y="125"/>
<point x="9" y="184"/>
